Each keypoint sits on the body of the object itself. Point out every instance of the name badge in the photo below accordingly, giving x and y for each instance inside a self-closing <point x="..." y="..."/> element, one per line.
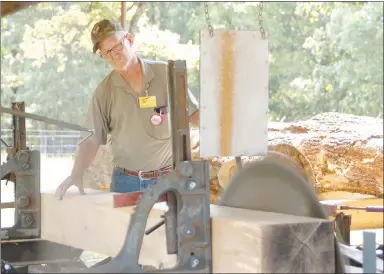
<point x="147" y="101"/>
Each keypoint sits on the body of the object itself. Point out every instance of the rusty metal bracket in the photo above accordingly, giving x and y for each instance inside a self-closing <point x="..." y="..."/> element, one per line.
<point x="23" y="168"/>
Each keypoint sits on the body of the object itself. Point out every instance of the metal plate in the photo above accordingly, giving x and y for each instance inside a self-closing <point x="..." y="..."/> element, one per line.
<point x="37" y="251"/>
<point x="234" y="73"/>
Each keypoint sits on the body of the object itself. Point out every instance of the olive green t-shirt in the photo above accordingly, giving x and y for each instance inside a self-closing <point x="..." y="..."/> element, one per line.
<point x="136" y="143"/>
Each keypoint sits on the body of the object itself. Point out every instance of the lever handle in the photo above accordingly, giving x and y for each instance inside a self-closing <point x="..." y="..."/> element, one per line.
<point x="156" y="226"/>
<point x="367" y="209"/>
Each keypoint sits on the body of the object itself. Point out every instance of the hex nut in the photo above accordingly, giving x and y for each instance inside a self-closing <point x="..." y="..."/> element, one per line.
<point x="23" y="201"/>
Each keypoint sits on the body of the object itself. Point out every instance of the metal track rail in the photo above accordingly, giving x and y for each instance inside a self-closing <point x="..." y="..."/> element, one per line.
<point x="43" y="119"/>
<point x="47" y="120"/>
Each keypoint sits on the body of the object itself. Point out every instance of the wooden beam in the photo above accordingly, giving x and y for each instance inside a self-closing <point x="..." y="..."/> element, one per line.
<point x="242" y="240"/>
<point x="233" y="93"/>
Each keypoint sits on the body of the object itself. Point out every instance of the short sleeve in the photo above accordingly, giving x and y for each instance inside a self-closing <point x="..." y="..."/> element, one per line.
<point x="193" y="104"/>
<point x="97" y="118"/>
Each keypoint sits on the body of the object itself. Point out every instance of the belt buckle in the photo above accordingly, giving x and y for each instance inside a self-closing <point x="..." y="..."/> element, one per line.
<point x="139" y="175"/>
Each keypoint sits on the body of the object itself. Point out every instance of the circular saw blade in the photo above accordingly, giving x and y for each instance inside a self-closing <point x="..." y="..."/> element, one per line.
<point x="276" y="184"/>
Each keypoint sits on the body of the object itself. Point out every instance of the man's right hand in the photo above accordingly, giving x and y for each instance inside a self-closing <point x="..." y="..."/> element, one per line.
<point x="67" y="183"/>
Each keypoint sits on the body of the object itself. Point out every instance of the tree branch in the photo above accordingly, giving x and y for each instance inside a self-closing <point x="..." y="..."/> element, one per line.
<point x="135" y="18"/>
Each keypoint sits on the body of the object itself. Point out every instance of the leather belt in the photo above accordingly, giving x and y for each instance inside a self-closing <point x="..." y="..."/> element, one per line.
<point x="147" y="174"/>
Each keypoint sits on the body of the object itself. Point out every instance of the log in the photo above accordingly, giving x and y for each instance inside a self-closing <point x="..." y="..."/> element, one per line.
<point x="345" y="151"/>
<point x="243" y="241"/>
<point x="338" y="152"/>
<point x="98" y="175"/>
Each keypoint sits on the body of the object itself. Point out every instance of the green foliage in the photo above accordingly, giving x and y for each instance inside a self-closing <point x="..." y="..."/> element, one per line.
<point x="323" y="56"/>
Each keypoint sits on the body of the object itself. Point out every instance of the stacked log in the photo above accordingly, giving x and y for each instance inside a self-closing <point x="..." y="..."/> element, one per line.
<point x="338" y="152"/>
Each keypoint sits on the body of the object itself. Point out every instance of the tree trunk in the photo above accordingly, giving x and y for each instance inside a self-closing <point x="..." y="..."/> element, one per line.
<point x="346" y="151"/>
<point x="343" y="152"/>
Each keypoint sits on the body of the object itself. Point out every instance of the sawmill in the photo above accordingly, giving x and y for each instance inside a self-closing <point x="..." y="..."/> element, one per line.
<point x="268" y="217"/>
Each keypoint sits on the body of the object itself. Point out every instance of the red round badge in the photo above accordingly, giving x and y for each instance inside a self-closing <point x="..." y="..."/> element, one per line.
<point x="156" y="119"/>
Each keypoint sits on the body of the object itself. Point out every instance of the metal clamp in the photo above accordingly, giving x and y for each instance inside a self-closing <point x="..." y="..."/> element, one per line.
<point x="25" y="165"/>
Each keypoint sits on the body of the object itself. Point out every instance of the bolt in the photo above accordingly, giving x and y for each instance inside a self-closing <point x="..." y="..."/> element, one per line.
<point x="23" y="201"/>
<point x="25" y="166"/>
<point x="188" y="231"/>
<point x="22" y="156"/>
<point x="192" y="185"/>
<point x="194" y="262"/>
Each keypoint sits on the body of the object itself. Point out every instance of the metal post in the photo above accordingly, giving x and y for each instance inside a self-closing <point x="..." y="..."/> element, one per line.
<point x="19" y="133"/>
<point x="181" y="151"/>
<point x="369" y="252"/>
<point x="178" y="109"/>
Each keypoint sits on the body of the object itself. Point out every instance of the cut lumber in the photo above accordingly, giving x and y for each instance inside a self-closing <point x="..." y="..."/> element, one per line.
<point x="343" y="195"/>
<point x="359" y="219"/>
<point x="243" y="241"/>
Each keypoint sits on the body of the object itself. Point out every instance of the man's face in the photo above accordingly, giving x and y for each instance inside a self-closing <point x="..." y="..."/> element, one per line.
<point x="117" y="50"/>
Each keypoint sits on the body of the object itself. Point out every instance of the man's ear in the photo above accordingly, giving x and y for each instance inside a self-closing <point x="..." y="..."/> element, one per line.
<point x="129" y="38"/>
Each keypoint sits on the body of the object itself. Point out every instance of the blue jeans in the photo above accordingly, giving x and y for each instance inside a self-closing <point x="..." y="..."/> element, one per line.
<point x="123" y="183"/>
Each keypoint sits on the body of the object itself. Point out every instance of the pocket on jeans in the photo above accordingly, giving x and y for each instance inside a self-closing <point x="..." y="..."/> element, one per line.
<point x="123" y="183"/>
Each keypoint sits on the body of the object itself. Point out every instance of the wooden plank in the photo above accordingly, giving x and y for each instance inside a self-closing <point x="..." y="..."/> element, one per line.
<point x="233" y="93"/>
<point x="342" y="195"/>
<point x="360" y="219"/>
<point x="243" y="241"/>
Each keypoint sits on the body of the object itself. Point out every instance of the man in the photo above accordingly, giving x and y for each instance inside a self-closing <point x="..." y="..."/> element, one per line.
<point x="130" y="104"/>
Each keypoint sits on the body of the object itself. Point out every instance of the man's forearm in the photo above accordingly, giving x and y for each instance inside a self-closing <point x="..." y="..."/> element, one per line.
<point x="84" y="158"/>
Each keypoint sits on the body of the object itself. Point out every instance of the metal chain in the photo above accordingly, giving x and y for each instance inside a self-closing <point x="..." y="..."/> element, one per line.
<point x="208" y="19"/>
<point x="261" y="7"/>
<point x="260" y="17"/>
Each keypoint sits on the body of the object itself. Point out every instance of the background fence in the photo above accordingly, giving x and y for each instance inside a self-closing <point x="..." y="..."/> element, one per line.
<point x="51" y="143"/>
